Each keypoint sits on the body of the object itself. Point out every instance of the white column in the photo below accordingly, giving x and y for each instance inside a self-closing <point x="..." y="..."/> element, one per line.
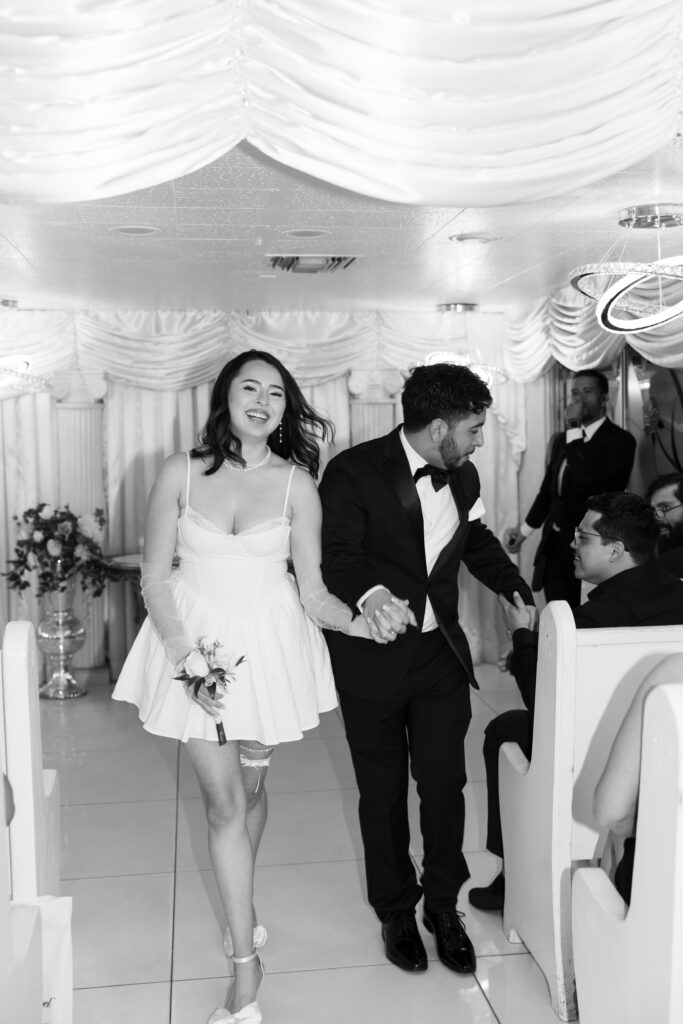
<point x="80" y="481"/>
<point x="375" y="402"/>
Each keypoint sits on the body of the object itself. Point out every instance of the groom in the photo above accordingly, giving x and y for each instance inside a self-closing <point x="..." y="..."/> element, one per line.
<point x="400" y="513"/>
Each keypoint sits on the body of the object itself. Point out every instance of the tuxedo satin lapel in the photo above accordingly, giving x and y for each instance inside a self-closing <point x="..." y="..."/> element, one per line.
<point x="397" y="469"/>
<point x="558" y="459"/>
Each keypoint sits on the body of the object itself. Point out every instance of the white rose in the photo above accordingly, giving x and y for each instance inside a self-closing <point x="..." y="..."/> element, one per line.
<point x="89" y="526"/>
<point x="47" y="512"/>
<point x="54" y="548"/>
<point x="80" y="551"/>
<point x="38" y="536"/>
<point x="196" y="664"/>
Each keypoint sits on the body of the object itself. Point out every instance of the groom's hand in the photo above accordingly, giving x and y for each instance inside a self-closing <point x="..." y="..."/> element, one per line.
<point x="387" y="615"/>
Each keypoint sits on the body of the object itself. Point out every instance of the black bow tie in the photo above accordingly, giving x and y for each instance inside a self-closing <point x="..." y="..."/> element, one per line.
<point x="439" y="476"/>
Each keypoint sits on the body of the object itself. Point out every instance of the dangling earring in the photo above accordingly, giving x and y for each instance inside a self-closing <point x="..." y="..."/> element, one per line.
<point x="280" y="434"/>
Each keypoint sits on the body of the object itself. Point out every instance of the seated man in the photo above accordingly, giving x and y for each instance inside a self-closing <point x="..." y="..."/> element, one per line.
<point x="665" y="494"/>
<point x="614" y="547"/>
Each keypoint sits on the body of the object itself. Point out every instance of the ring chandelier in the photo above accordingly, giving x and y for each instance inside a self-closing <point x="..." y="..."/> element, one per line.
<point x="618" y="297"/>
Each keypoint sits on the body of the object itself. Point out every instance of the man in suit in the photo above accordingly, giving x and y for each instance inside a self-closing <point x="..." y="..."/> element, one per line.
<point x="614" y="547"/>
<point x="591" y="455"/>
<point x="665" y="494"/>
<point x="400" y="514"/>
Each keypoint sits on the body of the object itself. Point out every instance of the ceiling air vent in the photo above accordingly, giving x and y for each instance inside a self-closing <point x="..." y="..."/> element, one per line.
<point x="311" y="264"/>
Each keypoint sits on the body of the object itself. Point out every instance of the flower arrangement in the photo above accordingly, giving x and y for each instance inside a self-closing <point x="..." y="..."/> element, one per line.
<point x="205" y="667"/>
<point x="58" y="545"/>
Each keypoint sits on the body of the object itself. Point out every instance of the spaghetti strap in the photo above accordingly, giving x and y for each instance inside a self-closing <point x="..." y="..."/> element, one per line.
<point x="289" y="484"/>
<point x="187" y="486"/>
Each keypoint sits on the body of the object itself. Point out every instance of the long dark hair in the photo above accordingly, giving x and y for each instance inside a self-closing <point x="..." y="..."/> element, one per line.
<point x="302" y="428"/>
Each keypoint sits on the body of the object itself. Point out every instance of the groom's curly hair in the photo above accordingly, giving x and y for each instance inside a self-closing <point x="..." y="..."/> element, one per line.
<point x="442" y="391"/>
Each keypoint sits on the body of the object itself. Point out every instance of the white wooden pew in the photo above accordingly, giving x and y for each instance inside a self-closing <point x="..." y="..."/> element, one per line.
<point x="629" y="960"/>
<point x="585" y="681"/>
<point x="20" y="942"/>
<point x="34" y="832"/>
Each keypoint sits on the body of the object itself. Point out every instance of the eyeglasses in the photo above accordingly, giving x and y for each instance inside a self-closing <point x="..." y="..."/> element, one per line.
<point x="662" y="510"/>
<point x="580" y="535"/>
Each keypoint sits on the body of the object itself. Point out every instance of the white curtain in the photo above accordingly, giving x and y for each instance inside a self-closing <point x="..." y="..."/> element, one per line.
<point x="563" y="328"/>
<point x="435" y="103"/>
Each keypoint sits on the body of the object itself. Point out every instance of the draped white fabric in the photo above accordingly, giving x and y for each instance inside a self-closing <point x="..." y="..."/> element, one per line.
<point x="171" y="350"/>
<point x="563" y="327"/>
<point x="432" y="103"/>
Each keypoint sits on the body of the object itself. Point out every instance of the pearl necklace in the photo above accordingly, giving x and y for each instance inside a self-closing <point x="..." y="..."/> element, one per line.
<point x="248" y="469"/>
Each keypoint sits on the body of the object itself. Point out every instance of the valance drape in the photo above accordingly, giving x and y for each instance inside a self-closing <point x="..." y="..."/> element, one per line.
<point x="435" y="103"/>
<point x="563" y="327"/>
<point x="172" y="350"/>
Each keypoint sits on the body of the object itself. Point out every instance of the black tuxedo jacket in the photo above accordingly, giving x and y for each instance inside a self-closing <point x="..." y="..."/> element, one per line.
<point x="603" y="463"/>
<point x="646" y="595"/>
<point x="373" y="534"/>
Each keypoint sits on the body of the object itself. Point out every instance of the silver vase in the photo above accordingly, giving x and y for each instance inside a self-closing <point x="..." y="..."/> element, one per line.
<point x="60" y="635"/>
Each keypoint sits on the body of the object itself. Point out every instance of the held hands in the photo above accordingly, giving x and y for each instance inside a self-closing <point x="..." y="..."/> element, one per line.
<point x="513" y="539"/>
<point x="387" y="616"/>
<point x="517" y="615"/>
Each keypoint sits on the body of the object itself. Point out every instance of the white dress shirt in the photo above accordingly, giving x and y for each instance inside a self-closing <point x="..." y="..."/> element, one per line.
<point x="572" y="434"/>
<point x="440" y="518"/>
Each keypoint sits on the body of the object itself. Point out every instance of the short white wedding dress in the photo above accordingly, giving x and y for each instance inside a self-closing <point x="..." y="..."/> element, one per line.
<point x="235" y="588"/>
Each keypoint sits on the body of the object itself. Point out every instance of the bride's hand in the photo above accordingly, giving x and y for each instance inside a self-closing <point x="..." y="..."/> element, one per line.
<point x="206" y="703"/>
<point x="362" y="629"/>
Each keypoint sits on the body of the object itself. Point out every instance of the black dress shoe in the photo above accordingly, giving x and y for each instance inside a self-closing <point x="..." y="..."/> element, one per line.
<point x="402" y="943"/>
<point x="452" y="941"/>
<point x="489" y="897"/>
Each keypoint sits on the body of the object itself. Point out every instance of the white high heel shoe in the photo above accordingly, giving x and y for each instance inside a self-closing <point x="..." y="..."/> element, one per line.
<point x="249" y="1014"/>
<point x="259" y="939"/>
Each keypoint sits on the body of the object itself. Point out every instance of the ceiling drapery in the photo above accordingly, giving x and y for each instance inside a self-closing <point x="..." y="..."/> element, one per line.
<point x="563" y="328"/>
<point x="441" y="103"/>
<point x="171" y="350"/>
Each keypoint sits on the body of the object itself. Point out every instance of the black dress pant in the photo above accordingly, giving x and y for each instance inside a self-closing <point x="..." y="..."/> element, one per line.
<point x="421" y="729"/>
<point x="510" y="727"/>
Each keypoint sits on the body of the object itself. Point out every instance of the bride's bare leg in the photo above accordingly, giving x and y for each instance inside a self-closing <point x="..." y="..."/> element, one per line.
<point x="255" y="758"/>
<point x="220" y="779"/>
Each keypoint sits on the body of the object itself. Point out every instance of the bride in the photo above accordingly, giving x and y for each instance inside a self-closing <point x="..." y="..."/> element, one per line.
<point x="233" y="510"/>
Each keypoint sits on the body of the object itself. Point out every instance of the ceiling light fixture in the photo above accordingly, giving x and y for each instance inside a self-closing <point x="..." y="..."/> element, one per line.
<point x="456" y="307"/>
<point x="611" y="283"/>
<point x="135" y="229"/>
<point x="305" y="233"/>
<point x="483" y="237"/>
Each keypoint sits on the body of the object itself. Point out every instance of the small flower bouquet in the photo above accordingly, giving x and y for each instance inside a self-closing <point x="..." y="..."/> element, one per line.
<point x="205" y="667"/>
<point x="58" y="545"/>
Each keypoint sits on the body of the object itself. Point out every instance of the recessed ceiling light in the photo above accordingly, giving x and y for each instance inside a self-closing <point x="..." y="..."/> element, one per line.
<point x="135" y="229"/>
<point x="484" y="237"/>
<point x="456" y="307"/>
<point x="305" y="233"/>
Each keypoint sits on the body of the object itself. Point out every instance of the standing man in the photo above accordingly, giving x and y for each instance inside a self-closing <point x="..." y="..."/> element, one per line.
<point x="665" y="494"/>
<point x="400" y="513"/>
<point x="592" y="455"/>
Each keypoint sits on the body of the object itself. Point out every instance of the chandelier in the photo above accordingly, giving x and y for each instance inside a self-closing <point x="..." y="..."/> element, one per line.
<point x="647" y="291"/>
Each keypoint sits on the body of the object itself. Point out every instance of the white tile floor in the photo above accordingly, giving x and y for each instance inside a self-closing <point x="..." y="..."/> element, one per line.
<point x="146" y="917"/>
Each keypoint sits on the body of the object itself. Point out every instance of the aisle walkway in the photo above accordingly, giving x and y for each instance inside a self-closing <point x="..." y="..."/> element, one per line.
<point x="147" y="924"/>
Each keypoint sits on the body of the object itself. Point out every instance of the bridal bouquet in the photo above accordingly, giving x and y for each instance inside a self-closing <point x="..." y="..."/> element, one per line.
<point x="58" y="545"/>
<point x="205" y="667"/>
